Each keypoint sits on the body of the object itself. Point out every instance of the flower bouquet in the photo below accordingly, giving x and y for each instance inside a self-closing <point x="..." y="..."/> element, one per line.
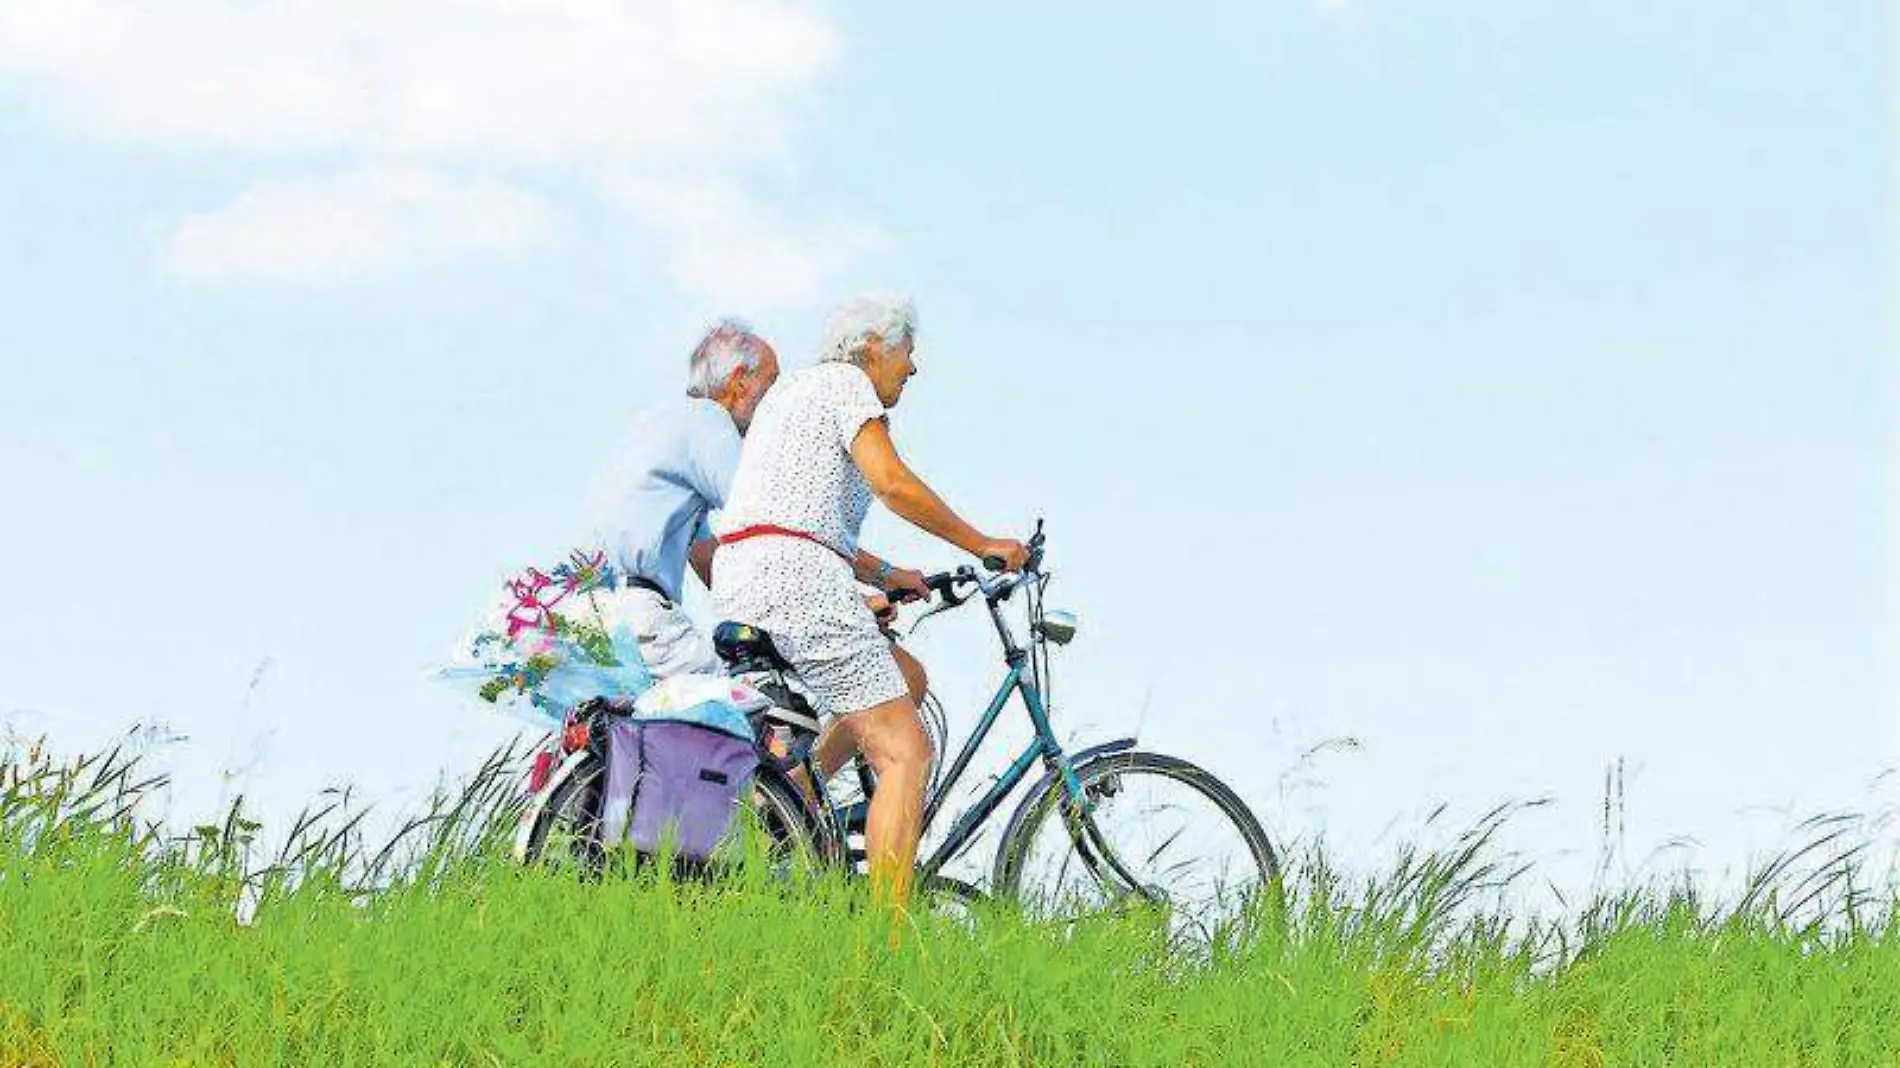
<point x="546" y="647"/>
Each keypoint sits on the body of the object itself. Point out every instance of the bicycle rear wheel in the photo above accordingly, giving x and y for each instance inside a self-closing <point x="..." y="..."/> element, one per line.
<point x="779" y="828"/>
<point x="1157" y="832"/>
<point x="775" y="826"/>
<point x="565" y="822"/>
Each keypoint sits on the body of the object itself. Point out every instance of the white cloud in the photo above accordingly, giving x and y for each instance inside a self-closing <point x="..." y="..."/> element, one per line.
<point x="557" y="88"/>
<point x="512" y="79"/>
<point x="738" y="252"/>
<point x="355" y="223"/>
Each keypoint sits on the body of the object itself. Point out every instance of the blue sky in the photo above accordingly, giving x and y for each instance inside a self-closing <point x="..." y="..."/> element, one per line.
<point x="1506" y="386"/>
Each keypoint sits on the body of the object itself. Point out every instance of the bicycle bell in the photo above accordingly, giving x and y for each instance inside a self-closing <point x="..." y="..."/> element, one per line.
<point x="1057" y="625"/>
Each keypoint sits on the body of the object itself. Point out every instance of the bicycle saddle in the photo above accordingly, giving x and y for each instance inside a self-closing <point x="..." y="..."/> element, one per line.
<point x="747" y="648"/>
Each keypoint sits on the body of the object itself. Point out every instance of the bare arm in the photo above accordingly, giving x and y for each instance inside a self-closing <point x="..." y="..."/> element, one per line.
<point x="865" y="567"/>
<point x="904" y="493"/>
<point x="871" y="570"/>
<point x="700" y="555"/>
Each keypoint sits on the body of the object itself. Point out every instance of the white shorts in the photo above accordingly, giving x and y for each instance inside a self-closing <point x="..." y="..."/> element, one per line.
<point x="668" y="641"/>
<point x="805" y="597"/>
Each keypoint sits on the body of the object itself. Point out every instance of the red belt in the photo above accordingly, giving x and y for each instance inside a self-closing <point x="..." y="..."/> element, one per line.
<point x="767" y="530"/>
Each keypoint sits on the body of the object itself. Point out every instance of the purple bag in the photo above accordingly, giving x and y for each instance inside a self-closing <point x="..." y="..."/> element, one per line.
<point x="676" y="776"/>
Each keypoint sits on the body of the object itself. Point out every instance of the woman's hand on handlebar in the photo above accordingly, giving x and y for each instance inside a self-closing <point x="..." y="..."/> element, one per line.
<point x="883" y="609"/>
<point x="1003" y="554"/>
<point x="902" y="584"/>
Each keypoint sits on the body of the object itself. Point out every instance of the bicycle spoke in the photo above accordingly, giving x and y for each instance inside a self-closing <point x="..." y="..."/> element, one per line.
<point x="1163" y="847"/>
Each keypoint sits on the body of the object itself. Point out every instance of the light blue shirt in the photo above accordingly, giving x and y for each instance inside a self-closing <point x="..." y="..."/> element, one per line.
<point x="673" y="467"/>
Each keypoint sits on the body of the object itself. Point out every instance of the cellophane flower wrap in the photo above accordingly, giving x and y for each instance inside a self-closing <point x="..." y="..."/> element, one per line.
<point x="547" y="647"/>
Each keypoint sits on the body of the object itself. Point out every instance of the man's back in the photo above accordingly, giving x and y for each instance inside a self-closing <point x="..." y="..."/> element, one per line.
<point x="671" y="467"/>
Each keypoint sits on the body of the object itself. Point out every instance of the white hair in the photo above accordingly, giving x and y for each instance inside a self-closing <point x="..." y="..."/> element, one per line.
<point x="727" y="347"/>
<point x="889" y="319"/>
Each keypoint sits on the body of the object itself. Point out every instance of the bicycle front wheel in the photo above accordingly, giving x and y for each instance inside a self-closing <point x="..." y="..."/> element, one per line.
<point x="1155" y="831"/>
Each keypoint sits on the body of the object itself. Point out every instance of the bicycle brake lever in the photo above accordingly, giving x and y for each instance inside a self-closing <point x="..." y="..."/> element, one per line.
<point x="938" y="610"/>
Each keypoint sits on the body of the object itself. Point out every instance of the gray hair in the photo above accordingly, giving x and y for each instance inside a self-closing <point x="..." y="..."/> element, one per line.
<point x="889" y="319"/>
<point x="728" y="346"/>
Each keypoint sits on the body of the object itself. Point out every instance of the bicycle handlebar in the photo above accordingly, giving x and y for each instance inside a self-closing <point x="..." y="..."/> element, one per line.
<point x="1034" y="563"/>
<point x="949" y="585"/>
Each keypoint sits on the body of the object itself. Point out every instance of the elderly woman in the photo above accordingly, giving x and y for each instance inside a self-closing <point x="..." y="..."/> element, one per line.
<point x="818" y="449"/>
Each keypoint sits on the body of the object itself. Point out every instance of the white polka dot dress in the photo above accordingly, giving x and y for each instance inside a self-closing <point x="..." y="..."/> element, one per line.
<point x="796" y="472"/>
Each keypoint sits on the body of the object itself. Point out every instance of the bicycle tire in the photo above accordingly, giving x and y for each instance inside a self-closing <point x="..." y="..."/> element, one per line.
<point x="1050" y="797"/>
<point x="573" y="806"/>
<point x="788" y="821"/>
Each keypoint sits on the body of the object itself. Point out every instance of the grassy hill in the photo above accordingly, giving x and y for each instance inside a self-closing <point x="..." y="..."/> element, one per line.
<point x="121" y="947"/>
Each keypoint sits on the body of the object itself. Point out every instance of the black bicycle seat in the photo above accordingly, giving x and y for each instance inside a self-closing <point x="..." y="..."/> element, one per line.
<point x="747" y="648"/>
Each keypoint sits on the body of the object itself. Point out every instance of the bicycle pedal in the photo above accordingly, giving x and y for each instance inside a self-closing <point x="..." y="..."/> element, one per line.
<point x="856" y="815"/>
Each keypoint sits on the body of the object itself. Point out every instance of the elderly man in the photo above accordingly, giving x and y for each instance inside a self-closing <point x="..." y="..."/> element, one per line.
<point x="649" y="512"/>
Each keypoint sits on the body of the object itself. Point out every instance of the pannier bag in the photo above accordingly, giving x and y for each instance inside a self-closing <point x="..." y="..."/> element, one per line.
<point x="680" y="765"/>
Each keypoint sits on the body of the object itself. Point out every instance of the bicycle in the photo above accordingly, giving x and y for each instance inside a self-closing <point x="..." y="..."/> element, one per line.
<point x="1206" y="868"/>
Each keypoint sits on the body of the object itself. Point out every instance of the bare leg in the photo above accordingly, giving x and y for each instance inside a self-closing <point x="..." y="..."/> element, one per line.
<point x="835" y="746"/>
<point x="892" y="738"/>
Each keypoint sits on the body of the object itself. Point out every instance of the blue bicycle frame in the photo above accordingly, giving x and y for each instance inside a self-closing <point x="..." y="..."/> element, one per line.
<point x="1026" y="678"/>
<point x="1020" y="680"/>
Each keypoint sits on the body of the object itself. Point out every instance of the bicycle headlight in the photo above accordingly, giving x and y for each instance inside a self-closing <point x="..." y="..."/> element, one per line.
<point x="1058" y="626"/>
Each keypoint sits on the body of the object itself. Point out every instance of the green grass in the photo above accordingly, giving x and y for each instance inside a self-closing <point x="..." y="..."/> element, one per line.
<point x="119" y="946"/>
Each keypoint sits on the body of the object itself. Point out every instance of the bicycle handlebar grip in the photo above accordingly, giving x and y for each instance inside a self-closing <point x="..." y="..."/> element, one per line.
<point x="994" y="563"/>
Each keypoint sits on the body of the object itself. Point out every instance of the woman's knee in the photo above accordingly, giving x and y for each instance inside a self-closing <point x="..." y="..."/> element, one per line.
<point x="892" y="736"/>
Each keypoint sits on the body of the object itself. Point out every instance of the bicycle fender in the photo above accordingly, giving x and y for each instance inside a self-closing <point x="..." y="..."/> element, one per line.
<point x="525" y="828"/>
<point x="1048" y="780"/>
